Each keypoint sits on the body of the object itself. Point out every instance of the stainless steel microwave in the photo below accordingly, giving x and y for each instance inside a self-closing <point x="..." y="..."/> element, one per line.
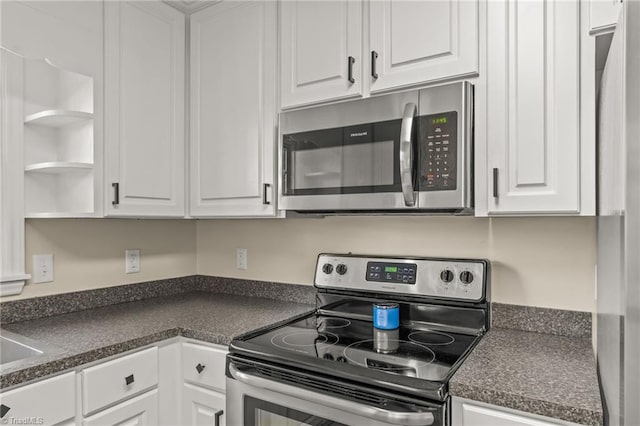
<point x="402" y="152"/>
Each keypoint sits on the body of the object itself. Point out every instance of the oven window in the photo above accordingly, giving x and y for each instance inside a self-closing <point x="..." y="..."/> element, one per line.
<point x="262" y="413"/>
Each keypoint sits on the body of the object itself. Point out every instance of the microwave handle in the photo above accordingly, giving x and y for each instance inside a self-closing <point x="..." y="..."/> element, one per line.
<point x="406" y="154"/>
<point x="409" y="418"/>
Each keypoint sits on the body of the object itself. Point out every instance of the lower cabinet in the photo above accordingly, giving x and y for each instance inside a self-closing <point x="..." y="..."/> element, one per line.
<point x="202" y="407"/>
<point x="176" y="382"/>
<point x="48" y="402"/>
<point x="471" y="413"/>
<point x="139" y="411"/>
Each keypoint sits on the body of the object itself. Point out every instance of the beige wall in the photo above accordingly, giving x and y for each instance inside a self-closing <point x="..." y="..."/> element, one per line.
<point x="545" y="262"/>
<point x="89" y="253"/>
<point x="536" y="261"/>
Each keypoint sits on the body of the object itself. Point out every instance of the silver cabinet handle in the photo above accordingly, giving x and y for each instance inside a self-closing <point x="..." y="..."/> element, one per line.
<point x="374" y="58"/>
<point x="265" y="191"/>
<point x="406" y="154"/>
<point x="386" y="416"/>
<point x="351" y="60"/>
<point x="116" y="193"/>
<point x="495" y="182"/>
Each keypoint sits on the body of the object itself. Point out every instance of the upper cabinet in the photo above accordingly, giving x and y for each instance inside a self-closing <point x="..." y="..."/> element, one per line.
<point x="327" y="53"/>
<point x="144" y="109"/>
<point x="233" y="120"/>
<point x="321" y="51"/>
<point x="415" y="42"/>
<point x="536" y="161"/>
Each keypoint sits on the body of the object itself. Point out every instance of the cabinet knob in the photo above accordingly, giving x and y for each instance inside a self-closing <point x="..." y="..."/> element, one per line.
<point x="200" y="368"/>
<point x="217" y="417"/>
<point x="129" y="379"/>
<point x="4" y="409"/>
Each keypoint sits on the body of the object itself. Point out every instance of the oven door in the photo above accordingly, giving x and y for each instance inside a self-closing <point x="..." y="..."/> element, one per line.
<point x="253" y="400"/>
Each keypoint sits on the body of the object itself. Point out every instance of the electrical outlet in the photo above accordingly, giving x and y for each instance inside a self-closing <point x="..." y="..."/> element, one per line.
<point x="42" y="268"/>
<point x="241" y="259"/>
<point x="132" y="261"/>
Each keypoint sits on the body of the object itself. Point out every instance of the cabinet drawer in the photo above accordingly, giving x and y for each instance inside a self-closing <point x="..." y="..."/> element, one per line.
<point x="121" y="378"/>
<point x="141" y="411"/>
<point x="203" y="365"/>
<point x="52" y="400"/>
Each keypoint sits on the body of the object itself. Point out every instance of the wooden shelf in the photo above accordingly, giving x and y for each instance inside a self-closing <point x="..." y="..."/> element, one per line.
<point x="57" y="118"/>
<point x="56" y="167"/>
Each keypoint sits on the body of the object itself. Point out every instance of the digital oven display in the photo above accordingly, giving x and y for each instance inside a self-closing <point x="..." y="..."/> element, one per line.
<point x="396" y="273"/>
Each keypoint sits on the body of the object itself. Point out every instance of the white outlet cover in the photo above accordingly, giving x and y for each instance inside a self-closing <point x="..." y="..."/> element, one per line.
<point x="241" y="259"/>
<point x="132" y="261"/>
<point x="42" y="268"/>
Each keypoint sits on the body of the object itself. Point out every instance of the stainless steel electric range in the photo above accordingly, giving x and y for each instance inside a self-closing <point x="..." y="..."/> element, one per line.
<point x="333" y="367"/>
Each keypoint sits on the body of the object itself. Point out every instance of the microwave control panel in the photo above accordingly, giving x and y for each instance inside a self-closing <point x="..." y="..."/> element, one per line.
<point x="438" y="151"/>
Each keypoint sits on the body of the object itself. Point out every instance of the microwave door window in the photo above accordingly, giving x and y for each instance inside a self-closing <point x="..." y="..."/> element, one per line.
<point x="344" y="169"/>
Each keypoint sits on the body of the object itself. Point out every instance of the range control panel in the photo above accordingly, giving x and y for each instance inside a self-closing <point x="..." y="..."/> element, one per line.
<point x="438" y="151"/>
<point x="456" y="279"/>
<point x="387" y="272"/>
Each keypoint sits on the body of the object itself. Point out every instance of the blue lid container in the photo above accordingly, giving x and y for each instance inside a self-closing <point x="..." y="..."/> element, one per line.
<point x="386" y="316"/>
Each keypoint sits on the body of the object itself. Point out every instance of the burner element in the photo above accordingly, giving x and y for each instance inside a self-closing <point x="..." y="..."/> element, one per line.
<point x="303" y="339"/>
<point x="329" y="323"/>
<point x="431" y="338"/>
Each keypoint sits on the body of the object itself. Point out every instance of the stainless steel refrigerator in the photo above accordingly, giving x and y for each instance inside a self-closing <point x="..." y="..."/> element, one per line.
<point x="618" y="278"/>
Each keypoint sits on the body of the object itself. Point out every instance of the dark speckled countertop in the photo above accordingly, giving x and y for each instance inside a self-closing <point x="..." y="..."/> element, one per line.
<point x="85" y="336"/>
<point x="553" y="376"/>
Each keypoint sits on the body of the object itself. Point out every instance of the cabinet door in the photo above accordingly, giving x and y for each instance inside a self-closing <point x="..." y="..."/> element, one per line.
<point x="603" y="15"/>
<point x="233" y="118"/>
<point x="421" y="41"/>
<point x="533" y="106"/>
<point x="483" y="416"/>
<point x="202" y="407"/>
<point x="56" y="401"/>
<point x="320" y="42"/>
<point x="144" y="113"/>
<point x="139" y="411"/>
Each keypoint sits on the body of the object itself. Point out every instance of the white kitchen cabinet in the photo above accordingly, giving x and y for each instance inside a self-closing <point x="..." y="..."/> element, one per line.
<point x="202" y="407"/>
<point x="470" y="413"/>
<point x="233" y="110"/>
<point x="603" y="15"/>
<point x="321" y="51"/>
<point x="413" y="42"/>
<point x="144" y="109"/>
<point x="119" y="379"/>
<point x="56" y="401"/>
<point x="204" y="365"/>
<point x="139" y="411"/>
<point x="535" y="159"/>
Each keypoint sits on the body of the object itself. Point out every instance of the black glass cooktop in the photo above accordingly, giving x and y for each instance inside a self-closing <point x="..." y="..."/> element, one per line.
<point x="341" y="346"/>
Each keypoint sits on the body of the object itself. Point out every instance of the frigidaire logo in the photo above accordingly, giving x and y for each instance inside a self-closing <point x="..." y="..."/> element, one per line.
<point x="359" y="134"/>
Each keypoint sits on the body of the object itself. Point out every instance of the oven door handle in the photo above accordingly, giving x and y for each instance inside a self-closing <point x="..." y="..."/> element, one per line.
<point x="406" y="154"/>
<point x="380" y="414"/>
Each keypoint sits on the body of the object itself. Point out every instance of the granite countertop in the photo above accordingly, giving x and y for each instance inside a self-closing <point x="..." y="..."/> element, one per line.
<point x="553" y="376"/>
<point x="85" y="336"/>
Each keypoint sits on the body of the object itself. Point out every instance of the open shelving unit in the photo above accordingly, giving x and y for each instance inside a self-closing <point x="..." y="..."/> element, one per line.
<point x="58" y="141"/>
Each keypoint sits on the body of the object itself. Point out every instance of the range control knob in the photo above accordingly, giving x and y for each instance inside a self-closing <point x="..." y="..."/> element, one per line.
<point x="446" y="276"/>
<point x="328" y="356"/>
<point x="327" y="268"/>
<point x="466" y="277"/>
<point x="341" y="269"/>
<point x="341" y="359"/>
